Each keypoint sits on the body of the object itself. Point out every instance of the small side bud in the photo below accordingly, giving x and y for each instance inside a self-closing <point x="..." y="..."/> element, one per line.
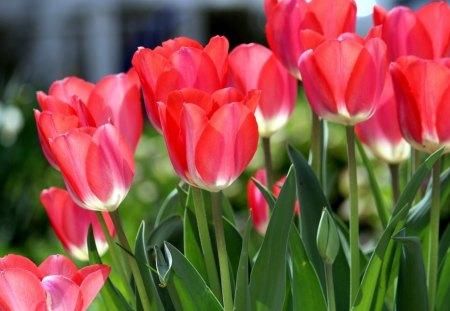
<point x="327" y="238"/>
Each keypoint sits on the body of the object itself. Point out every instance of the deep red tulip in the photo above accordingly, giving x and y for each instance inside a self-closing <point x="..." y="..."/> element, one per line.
<point x="381" y="133"/>
<point x="210" y="138"/>
<point x="114" y="99"/>
<point x="55" y="285"/>
<point x="180" y="63"/>
<point x="343" y="78"/>
<point x="253" y="66"/>
<point x="425" y="33"/>
<point x="97" y="166"/>
<point x="422" y="89"/>
<point x="71" y="223"/>
<point x="322" y="19"/>
<point x="257" y="203"/>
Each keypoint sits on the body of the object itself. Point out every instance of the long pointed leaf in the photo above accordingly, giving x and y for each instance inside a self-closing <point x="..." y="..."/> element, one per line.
<point x="268" y="277"/>
<point x="242" y="293"/>
<point x="306" y="289"/>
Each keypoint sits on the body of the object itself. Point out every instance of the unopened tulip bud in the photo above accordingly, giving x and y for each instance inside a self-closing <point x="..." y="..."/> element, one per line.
<point x="327" y="238"/>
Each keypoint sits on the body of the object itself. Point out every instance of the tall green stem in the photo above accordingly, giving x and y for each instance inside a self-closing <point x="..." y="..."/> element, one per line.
<point x="131" y="260"/>
<point x="116" y="259"/>
<point x="315" y="144"/>
<point x="434" y="235"/>
<point x="354" y="224"/>
<point x="330" y="287"/>
<point x="222" y="251"/>
<point x="268" y="161"/>
<point x="394" y="169"/>
<point x="205" y="241"/>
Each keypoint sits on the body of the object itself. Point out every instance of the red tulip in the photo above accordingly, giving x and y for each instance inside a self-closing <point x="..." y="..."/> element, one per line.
<point x="56" y="284"/>
<point x="257" y="203"/>
<point x="422" y="89"/>
<point x="381" y="133"/>
<point x="323" y="19"/>
<point x="210" y="138"/>
<point x="114" y="99"/>
<point x="180" y="63"/>
<point x="425" y="34"/>
<point x="252" y="66"/>
<point x="71" y="223"/>
<point x="97" y="166"/>
<point x="343" y="78"/>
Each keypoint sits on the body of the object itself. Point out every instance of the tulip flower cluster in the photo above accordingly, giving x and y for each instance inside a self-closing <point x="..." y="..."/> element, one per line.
<point x="211" y="106"/>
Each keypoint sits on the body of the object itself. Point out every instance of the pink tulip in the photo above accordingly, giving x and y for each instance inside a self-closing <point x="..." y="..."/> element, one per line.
<point x="322" y="19"/>
<point x="71" y="223"/>
<point x="180" y="63"/>
<point x="252" y="66"/>
<point x="422" y="89"/>
<point x="210" y="138"/>
<point x="55" y="285"/>
<point x="97" y="166"/>
<point x="114" y="99"/>
<point x="257" y="203"/>
<point x="381" y="133"/>
<point x="425" y="33"/>
<point x="343" y="78"/>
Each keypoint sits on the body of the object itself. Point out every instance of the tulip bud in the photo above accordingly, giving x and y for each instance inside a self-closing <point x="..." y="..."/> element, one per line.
<point x="327" y="238"/>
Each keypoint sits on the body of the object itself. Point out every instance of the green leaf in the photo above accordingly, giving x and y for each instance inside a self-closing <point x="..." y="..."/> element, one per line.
<point x="268" y="196"/>
<point x="306" y="289"/>
<point x="233" y="242"/>
<point x="372" y="290"/>
<point x="110" y="292"/>
<point x="172" y="205"/>
<point x="411" y="288"/>
<point x="443" y="289"/>
<point x="187" y="288"/>
<point x="268" y="277"/>
<point x="378" y="197"/>
<point x="312" y="201"/>
<point x="242" y="293"/>
<point x="143" y="263"/>
<point x="170" y="228"/>
<point x="192" y="246"/>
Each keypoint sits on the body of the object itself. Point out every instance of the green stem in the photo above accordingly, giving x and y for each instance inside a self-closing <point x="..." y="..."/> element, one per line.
<point x="330" y="287"/>
<point x="315" y="153"/>
<point x="434" y="235"/>
<point x="323" y="154"/>
<point x="268" y="161"/>
<point x="124" y="273"/>
<point x="205" y="241"/>
<point x="354" y="224"/>
<point x="394" y="169"/>
<point x="222" y="251"/>
<point x="131" y="260"/>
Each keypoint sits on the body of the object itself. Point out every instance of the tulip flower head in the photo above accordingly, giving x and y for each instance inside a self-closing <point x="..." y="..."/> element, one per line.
<point x="343" y="78"/>
<point x="180" y="63"/>
<point x="381" y="133"/>
<point x="71" y="223"/>
<point x="210" y="138"/>
<point x="425" y="33"/>
<point x="56" y="284"/>
<point x="422" y="89"/>
<point x="320" y="19"/>
<point x="253" y="66"/>
<point x="97" y="166"/>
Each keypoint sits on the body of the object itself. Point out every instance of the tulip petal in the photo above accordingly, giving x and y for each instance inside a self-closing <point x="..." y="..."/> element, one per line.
<point x="63" y="293"/>
<point x="109" y="166"/>
<point x="21" y="290"/>
<point x="65" y="89"/>
<point x="117" y="99"/>
<point x="16" y="261"/>
<point x="217" y="49"/>
<point x="91" y="280"/>
<point x="58" y="265"/>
